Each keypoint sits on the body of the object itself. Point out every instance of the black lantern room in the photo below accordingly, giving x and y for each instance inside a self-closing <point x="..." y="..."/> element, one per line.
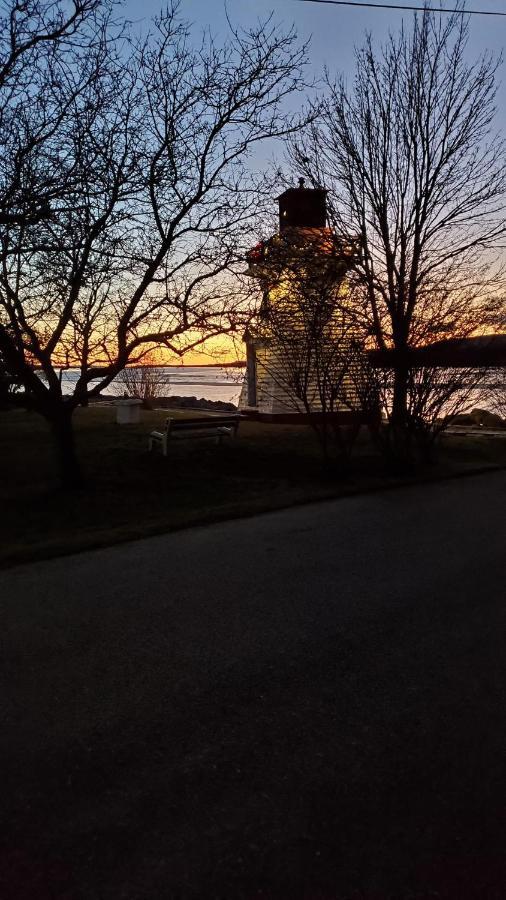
<point x="302" y="207"/>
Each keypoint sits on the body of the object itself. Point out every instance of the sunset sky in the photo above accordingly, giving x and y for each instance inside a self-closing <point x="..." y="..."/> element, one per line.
<point x="334" y="32"/>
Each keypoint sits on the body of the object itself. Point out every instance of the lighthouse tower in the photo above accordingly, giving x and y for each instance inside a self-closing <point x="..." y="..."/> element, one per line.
<point x="303" y="239"/>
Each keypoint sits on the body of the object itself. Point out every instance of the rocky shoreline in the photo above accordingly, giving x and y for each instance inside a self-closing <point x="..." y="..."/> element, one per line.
<point x="177" y="402"/>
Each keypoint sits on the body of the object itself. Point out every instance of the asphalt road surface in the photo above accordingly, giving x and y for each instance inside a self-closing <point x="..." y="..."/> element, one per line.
<point x="305" y="705"/>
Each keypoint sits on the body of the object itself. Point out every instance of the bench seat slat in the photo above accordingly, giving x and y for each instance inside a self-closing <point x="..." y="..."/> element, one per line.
<point x="181" y="424"/>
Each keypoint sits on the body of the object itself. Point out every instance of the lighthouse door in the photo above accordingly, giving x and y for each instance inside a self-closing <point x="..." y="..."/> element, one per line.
<point x="251" y="374"/>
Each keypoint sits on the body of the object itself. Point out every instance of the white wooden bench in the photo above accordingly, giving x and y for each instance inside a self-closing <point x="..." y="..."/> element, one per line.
<point x="217" y="427"/>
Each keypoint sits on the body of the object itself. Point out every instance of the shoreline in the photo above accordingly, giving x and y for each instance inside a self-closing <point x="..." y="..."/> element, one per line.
<point x="173" y="402"/>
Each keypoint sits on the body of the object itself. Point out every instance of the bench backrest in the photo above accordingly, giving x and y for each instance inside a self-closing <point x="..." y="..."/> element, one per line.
<point x="204" y="423"/>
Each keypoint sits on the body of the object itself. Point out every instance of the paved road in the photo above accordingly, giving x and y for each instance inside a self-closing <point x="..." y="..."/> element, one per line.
<point x="307" y="705"/>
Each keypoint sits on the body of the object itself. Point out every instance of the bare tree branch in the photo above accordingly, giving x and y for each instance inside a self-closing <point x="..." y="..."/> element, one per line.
<point x="415" y="170"/>
<point x="127" y="201"/>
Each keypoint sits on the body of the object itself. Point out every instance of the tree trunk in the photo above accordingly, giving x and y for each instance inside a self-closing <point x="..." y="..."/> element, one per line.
<point x="427" y="448"/>
<point x="63" y="433"/>
<point x="400" y="443"/>
<point x="400" y="397"/>
<point x="334" y="457"/>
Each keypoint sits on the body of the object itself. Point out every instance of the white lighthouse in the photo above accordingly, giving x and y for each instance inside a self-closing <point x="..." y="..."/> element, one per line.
<point x="303" y="244"/>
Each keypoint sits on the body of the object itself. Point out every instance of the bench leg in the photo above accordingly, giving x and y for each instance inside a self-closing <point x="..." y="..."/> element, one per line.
<point x="162" y="443"/>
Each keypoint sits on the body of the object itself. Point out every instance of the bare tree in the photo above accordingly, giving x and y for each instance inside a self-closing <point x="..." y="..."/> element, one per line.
<point x="9" y="385"/>
<point x="146" y="381"/>
<point x="38" y="39"/>
<point x="414" y="170"/>
<point x="435" y="397"/>
<point x="309" y="336"/>
<point x="150" y="206"/>
<point x="499" y="393"/>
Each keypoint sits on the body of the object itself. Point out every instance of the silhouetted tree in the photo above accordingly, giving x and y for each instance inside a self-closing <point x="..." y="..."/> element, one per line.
<point x="435" y="397"/>
<point x="499" y="392"/>
<point x="9" y="385"/>
<point x="130" y="205"/>
<point x="38" y="41"/>
<point x="414" y="170"/>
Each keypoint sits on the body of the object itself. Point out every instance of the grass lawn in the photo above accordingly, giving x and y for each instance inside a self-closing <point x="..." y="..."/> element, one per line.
<point x="132" y="493"/>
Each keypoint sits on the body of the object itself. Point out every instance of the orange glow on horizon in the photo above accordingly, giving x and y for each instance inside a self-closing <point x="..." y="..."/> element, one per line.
<point x="221" y="350"/>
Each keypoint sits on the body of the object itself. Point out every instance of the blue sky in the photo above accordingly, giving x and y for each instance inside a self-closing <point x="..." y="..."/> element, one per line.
<point x="334" y="31"/>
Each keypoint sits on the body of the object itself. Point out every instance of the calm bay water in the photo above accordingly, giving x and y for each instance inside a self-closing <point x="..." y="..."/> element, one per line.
<point x="223" y="383"/>
<point x="207" y="382"/>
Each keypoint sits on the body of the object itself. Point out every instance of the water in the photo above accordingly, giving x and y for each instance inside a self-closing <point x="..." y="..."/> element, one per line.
<point x="223" y="383"/>
<point x="204" y="382"/>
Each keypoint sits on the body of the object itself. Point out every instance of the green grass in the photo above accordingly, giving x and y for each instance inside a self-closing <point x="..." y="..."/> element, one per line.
<point x="131" y="493"/>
